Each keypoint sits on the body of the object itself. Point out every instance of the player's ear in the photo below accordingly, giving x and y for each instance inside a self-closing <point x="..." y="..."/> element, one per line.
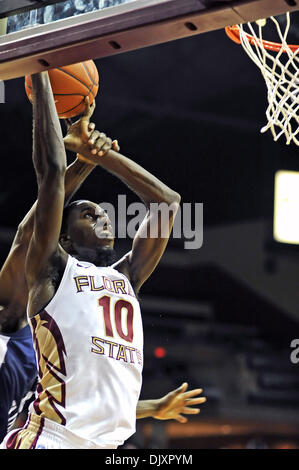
<point x="65" y="242"/>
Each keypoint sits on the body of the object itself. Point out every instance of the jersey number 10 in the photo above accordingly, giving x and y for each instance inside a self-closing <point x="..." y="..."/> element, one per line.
<point x="105" y="303"/>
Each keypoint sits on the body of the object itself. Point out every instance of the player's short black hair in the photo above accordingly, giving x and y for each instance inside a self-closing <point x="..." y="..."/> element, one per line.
<point x="66" y="212"/>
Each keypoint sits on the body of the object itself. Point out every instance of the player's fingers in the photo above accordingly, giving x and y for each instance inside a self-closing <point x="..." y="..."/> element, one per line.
<point x="92" y="108"/>
<point x="196" y="401"/>
<point x="190" y="411"/>
<point x="181" y="419"/>
<point x="180" y="389"/>
<point x="88" y="108"/>
<point x="100" y="141"/>
<point x="115" y="146"/>
<point x="109" y="141"/>
<point x="91" y="126"/>
<point x="103" y="151"/>
<point x="95" y="135"/>
<point x="98" y="144"/>
<point x="106" y="147"/>
<point x="192" y="393"/>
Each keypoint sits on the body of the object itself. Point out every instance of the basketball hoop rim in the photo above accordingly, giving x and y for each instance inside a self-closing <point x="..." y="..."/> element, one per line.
<point x="233" y="32"/>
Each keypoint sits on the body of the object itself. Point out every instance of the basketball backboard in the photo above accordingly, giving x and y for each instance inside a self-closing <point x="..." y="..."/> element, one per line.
<point x="71" y="31"/>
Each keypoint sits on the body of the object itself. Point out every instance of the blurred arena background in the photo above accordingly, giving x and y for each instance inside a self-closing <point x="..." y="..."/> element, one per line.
<point x="221" y="317"/>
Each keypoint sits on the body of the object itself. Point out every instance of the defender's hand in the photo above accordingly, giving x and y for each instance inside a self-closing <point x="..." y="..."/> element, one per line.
<point x="178" y="402"/>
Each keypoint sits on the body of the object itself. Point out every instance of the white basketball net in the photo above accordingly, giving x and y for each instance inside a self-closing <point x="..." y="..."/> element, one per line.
<point x="280" y="71"/>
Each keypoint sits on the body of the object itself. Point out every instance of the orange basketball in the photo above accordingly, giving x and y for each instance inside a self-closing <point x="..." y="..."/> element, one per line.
<point x="70" y="85"/>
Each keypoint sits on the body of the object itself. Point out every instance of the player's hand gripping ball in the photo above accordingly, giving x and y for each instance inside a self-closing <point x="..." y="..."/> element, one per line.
<point x="70" y="85"/>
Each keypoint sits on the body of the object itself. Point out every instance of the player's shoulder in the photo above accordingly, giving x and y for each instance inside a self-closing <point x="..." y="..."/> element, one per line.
<point x="123" y="266"/>
<point x="54" y="269"/>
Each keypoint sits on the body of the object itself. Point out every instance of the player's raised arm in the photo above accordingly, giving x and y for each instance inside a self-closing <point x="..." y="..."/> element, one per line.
<point x="146" y="250"/>
<point x="49" y="159"/>
<point x="12" y="274"/>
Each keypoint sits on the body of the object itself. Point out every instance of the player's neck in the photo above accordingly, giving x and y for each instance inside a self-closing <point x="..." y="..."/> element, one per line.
<point x="101" y="257"/>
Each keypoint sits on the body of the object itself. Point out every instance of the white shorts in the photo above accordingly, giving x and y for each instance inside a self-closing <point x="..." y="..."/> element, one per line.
<point x="42" y="433"/>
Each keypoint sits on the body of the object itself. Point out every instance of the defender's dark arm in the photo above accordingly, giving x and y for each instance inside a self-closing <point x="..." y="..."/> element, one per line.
<point x="12" y="274"/>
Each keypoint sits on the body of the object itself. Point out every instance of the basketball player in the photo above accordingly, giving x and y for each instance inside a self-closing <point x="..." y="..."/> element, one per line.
<point x="18" y="370"/>
<point x="174" y="403"/>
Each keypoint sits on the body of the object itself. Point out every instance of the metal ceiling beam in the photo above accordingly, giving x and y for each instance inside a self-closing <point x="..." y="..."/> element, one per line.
<point x="120" y="29"/>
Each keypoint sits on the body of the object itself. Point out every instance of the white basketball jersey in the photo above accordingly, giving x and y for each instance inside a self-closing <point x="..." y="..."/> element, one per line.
<point x="89" y="346"/>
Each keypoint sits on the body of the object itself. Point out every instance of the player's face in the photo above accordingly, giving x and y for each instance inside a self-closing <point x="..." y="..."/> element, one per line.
<point x="89" y="226"/>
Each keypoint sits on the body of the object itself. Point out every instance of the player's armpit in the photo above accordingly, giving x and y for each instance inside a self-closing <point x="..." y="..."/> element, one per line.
<point x="151" y="240"/>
